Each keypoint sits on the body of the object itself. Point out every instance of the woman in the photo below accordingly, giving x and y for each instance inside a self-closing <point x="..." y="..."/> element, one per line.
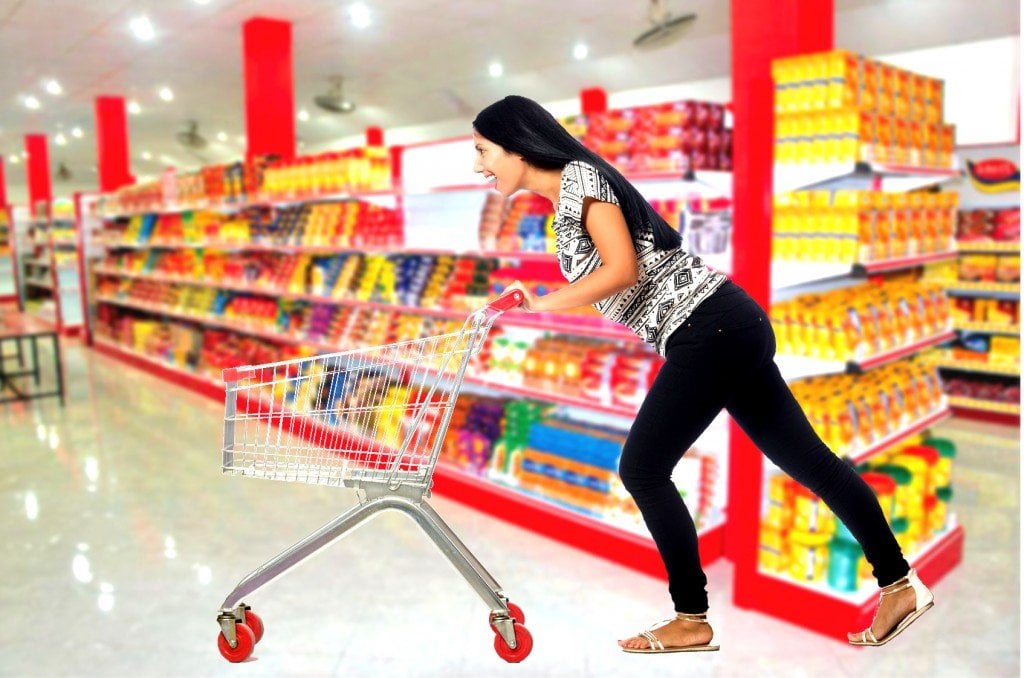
<point x="620" y="256"/>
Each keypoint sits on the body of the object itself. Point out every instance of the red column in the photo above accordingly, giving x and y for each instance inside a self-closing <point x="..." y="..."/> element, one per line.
<point x="762" y="30"/>
<point x="374" y="136"/>
<point x="112" y="143"/>
<point x="593" y="100"/>
<point x="3" y="185"/>
<point x="37" y="169"/>
<point x="269" y="93"/>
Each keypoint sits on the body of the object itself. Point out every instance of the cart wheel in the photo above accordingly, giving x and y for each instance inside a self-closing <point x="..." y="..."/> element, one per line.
<point x="515" y="612"/>
<point x="524" y="644"/>
<point x="253" y="621"/>
<point x="244" y="647"/>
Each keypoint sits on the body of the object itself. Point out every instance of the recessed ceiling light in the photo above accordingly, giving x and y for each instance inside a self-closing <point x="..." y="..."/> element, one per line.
<point x="496" y="70"/>
<point x="134" y="108"/>
<point x="60" y="139"/>
<point x="32" y="103"/>
<point x="166" y="94"/>
<point x="53" y="87"/>
<point x="202" y="2"/>
<point x="142" y="27"/>
<point x="359" y="14"/>
<point x="303" y="115"/>
<point x="146" y="155"/>
<point x="222" y="136"/>
<point x="13" y="157"/>
<point x="580" y="51"/>
<point x="76" y="132"/>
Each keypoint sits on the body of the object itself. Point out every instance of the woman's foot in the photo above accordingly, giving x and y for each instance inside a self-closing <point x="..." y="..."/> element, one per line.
<point x="898" y="601"/>
<point x="676" y="633"/>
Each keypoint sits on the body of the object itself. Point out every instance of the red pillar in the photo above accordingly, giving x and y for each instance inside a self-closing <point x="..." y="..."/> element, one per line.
<point x="762" y="30"/>
<point x="37" y="169"/>
<point x="374" y="136"/>
<point x="269" y="90"/>
<point x="112" y="143"/>
<point x="3" y="185"/>
<point x="593" y="100"/>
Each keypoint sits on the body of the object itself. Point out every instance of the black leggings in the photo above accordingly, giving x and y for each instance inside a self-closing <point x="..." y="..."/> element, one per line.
<point x="723" y="356"/>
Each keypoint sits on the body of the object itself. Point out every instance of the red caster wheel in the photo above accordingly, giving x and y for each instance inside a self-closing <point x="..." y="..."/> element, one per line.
<point x="515" y="612"/>
<point x="253" y="621"/>
<point x="243" y="648"/>
<point x="524" y="644"/>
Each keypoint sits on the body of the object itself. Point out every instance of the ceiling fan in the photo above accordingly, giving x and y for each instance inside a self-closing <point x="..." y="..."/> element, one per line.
<point x="333" y="99"/>
<point x="664" y="26"/>
<point x="190" y="138"/>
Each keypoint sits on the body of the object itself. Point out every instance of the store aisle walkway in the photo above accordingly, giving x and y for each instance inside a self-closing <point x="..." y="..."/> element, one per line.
<point x="120" y="537"/>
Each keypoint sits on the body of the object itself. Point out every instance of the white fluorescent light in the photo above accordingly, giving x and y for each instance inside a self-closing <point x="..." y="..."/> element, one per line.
<point x="142" y="27"/>
<point x="580" y="51"/>
<point x="146" y="155"/>
<point x="496" y="70"/>
<point x="76" y="132"/>
<point x="359" y="14"/>
<point x="134" y="108"/>
<point x="53" y="87"/>
<point x="13" y="157"/>
<point x="32" y="103"/>
<point x="60" y="139"/>
<point x="166" y="94"/>
<point x="222" y="136"/>
<point x="303" y="115"/>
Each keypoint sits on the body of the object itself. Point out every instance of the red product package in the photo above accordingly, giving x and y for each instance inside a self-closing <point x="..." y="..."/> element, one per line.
<point x="1007" y="225"/>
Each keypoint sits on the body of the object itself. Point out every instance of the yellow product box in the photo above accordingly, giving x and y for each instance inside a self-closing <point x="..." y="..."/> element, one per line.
<point x="886" y="89"/>
<point x="843" y="79"/>
<point x="807" y="555"/>
<point x="948" y="142"/>
<point x="771" y="552"/>
<point x="934" y="100"/>
<point x="902" y="93"/>
<point x="900" y="141"/>
<point x="915" y="143"/>
<point x="885" y="141"/>
<point x="1005" y="349"/>
<point x="867" y="129"/>
<point x="868" y="92"/>
<point x="918" y="96"/>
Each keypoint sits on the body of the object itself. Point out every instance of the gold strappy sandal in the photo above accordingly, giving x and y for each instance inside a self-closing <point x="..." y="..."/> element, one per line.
<point x="657" y="647"/>
<point x="925" y="601"/>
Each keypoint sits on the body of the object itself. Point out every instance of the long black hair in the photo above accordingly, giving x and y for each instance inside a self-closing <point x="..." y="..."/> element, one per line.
<point x="522" y="126"/>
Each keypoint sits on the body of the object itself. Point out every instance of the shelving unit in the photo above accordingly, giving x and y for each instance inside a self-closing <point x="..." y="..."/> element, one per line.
<point x="816" y="606"/>
<point x="49" y="269"/>
<point x="8" y="257"/>
<point x="438" y="205"/>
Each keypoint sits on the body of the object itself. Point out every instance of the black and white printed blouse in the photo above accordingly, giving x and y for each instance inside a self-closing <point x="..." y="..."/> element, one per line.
<point x="670" y="283"/>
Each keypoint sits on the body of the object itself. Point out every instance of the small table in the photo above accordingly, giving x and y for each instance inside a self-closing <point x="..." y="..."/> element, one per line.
<point x="17" y="328"/>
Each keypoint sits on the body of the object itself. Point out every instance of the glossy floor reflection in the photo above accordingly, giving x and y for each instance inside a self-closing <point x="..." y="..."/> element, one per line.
<point x="120" y="538"/>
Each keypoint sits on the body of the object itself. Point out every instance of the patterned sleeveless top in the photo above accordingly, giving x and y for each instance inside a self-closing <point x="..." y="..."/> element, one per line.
<point x="671" y="283"/>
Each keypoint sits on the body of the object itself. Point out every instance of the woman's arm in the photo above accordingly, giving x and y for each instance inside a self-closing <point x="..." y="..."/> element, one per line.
<point x="607" y="228"/>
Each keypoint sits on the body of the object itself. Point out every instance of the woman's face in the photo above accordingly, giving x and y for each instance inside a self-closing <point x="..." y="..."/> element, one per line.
<point x="498" y="165"/>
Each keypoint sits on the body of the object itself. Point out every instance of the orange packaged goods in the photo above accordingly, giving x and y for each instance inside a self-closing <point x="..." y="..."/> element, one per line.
<point x="918" y="97"/>
<point x="886" y="88"/>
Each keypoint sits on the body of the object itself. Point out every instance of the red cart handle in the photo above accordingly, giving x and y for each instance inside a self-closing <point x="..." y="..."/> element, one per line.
<point x="507" y="301"/>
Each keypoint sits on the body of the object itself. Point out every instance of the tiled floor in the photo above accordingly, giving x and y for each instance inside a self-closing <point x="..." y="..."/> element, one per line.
<point x="120" y="537"/>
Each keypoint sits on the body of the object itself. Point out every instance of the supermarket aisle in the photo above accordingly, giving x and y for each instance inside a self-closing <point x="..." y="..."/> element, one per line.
<point x="120" y="538"/>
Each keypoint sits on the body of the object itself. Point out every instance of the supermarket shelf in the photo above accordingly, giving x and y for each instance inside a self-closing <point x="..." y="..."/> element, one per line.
<point x="914" y="428"/>
<point x="1011" y="370"/>
<point x="986" y="328"/>
<point x="984" y="405"/>
<point x="901" y="263"/>
<point x="591" y="326"/>
<point x="787" y="274"/>
<point x="990" y="290"/>
<point x="39" y="283"/>
<point x="575" y="529"/>
<point x="35" y="261"/>
<point x="825" y="175"/>
<point x="797" y="367"/>
<point x="982" y="247"/>
<point x="278" y="337"/>
<point x="831" y="612"/>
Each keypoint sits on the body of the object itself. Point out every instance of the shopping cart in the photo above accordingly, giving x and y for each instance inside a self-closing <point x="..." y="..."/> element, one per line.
<point x="372" y="419"/>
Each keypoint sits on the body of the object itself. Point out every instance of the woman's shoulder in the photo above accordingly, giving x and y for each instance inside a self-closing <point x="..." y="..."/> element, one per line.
<point x="583" y="179"/>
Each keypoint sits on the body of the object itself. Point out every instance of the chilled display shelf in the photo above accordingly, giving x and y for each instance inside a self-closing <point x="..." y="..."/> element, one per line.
<point x="986" y="328"/>
<point x="1011" y="370"/>
<point x="797" y="367"/>
<point x="280" y="338"/>
<point x="992" y="290"/>
<point x="867" y="593"/>
<point x="860" y="456"/>
<point x="982" y="247"/>
<point x="984" y="405"/>
<point x="589" y="325"/>
<point x="893" y="177"/>
<point x="616" y="543"/>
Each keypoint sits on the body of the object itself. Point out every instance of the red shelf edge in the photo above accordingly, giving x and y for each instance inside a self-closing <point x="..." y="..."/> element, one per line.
<point x="892" y="439"/>
<point x="562" y="525"/>
<point x="830" y="615"/>
<point x="965" y="412"/>
<point x="904" y="351"/>
<point x="906" y="262"/>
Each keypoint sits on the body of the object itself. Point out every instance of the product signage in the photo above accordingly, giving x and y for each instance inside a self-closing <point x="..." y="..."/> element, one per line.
<point x="994" y="175"/>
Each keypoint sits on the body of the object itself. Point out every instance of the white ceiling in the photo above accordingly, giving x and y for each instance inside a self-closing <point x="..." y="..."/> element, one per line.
<point x="420" y="61"/>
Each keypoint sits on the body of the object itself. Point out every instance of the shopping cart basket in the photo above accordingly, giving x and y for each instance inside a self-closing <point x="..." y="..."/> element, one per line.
<point x="372" y="419"/>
